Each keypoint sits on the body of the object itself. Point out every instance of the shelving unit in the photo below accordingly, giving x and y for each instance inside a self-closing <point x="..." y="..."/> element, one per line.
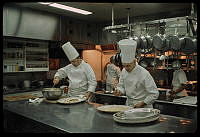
<point x="37" y="58"/>
<point x="23" y="56"/>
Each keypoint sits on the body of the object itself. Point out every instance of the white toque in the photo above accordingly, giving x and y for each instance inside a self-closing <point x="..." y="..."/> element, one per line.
<point x="128" y="50"/>
<point x="70" y="51"/>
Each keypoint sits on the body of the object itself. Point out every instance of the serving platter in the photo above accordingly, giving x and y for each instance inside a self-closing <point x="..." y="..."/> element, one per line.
<point x="113" y="108"/>
<point x="141" y="115"/>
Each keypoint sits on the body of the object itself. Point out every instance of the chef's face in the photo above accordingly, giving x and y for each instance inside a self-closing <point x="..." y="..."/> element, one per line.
<point x="76" y="62"/>
<point x="129" y="66"/>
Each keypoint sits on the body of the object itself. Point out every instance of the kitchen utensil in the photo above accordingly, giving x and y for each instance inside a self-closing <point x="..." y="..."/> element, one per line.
<point x="175" y="40"/>
<point x="158" y="40"/>
<point x="139" y="115"/>
<point x="143" y="44"/>
<point x="52" y="93"/>
<point x="149" y="41"/>
<point x="189" y="44"/>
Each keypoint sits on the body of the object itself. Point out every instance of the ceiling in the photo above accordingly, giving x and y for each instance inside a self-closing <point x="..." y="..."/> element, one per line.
<point x="102" y="12"/>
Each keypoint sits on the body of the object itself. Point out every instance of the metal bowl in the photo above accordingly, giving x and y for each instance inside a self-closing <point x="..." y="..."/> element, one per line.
<point x="52" y="93"/>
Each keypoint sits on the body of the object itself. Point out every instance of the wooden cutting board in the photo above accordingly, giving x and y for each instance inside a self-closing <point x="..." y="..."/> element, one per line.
<point x="19" y="97"/>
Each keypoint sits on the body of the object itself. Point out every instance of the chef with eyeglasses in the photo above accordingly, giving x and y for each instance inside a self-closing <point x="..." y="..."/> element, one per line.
<point x="82" y="80"/>
<point x="135" y="81"/>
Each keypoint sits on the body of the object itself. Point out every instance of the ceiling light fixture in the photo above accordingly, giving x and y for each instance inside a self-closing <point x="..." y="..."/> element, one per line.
<point x="84" y="12"/>
<point x="45" y="3"/>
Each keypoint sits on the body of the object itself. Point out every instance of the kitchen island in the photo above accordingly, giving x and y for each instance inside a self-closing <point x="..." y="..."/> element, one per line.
<point x="85" y="118"/>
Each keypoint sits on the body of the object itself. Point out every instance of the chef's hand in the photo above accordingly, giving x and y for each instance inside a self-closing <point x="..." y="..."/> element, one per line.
<point x="139" y="105"/>
<point x="172" y="92"/>
<point x="56" y="80"/>
<point x="87" y="95"/>
<point x="117" y="92"/>
<point x="65" y="90"/>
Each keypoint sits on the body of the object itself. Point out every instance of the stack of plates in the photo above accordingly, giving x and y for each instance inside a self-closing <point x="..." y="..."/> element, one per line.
<point x="137" y="115"/>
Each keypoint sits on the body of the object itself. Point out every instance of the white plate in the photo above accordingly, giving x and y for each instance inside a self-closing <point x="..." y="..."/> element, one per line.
<point x="121" y="117"/>
<point x="71" y="100"/>
<point x="113" y="108"/>
<point x="131" y="121"/>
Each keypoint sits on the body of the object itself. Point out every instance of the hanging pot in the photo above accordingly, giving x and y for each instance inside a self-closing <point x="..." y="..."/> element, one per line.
<point x="158" y="42"/>
<point x="166" y="44"/>
<point x="137" y="39"/>
<point x="149" y="43"/>
<point x="175" y="42"/>
<point x="143" y="44"/>
<point x="189" y="45"/>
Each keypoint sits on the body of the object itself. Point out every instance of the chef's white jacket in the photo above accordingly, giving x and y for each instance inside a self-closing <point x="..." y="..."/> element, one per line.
<point x="179" y="77"/>
<point x="112" y="76"/>
<point x="81" y="78"/>
<point x="138" y="85"/>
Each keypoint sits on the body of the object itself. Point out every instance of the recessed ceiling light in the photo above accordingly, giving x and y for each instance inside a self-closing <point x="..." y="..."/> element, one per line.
<point x="64" y="7"/>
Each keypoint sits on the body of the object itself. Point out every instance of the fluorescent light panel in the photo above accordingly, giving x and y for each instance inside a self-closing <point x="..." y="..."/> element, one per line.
<point x="45" y="3"/>
<point x="70" y="8"/>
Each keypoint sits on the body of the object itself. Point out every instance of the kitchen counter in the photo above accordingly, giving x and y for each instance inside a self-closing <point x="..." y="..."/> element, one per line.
<point x="175" y="103"/>
<point x="84" y="118"/>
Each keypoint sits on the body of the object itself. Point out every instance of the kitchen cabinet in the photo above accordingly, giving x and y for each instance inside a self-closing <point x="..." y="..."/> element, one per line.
<point x="25" y="56"/>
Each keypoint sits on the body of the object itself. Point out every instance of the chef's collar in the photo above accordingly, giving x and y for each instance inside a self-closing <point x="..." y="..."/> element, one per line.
<point x="134" y="70"/>
<point x="78" y="65"/>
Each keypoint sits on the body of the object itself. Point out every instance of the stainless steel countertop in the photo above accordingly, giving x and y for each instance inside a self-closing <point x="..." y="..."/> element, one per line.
<point x="84" y="118"/>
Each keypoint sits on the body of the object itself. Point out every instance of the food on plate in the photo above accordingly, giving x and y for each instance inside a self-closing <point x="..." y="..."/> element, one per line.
<point x="113" y="108"/>
<point x="70" y="100"/>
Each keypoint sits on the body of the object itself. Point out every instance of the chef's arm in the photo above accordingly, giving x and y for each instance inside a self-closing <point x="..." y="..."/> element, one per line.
<point x="181" y="88"/>
<point x="92" y="83"/>
<point x="152" y="90"/>
<point x="61" y="73"/>
<point x="120" y="90"/>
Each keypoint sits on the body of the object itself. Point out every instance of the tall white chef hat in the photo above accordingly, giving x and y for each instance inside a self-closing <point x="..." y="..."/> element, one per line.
<point x="70" y="51"/>
<point x="128" y="50"/>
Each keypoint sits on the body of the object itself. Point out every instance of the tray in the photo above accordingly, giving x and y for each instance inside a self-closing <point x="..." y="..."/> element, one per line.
<point x="122" y="118"/>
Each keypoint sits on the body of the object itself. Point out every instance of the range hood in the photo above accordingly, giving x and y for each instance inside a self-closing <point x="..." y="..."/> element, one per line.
<point x="26" y="23"/>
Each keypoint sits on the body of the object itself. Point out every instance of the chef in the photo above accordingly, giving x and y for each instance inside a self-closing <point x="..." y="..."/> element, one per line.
<point x="112" y="75"/>
<point x="135" y="81"/>
<point x="81" y="76"/>
<point x="179" y="77"/>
